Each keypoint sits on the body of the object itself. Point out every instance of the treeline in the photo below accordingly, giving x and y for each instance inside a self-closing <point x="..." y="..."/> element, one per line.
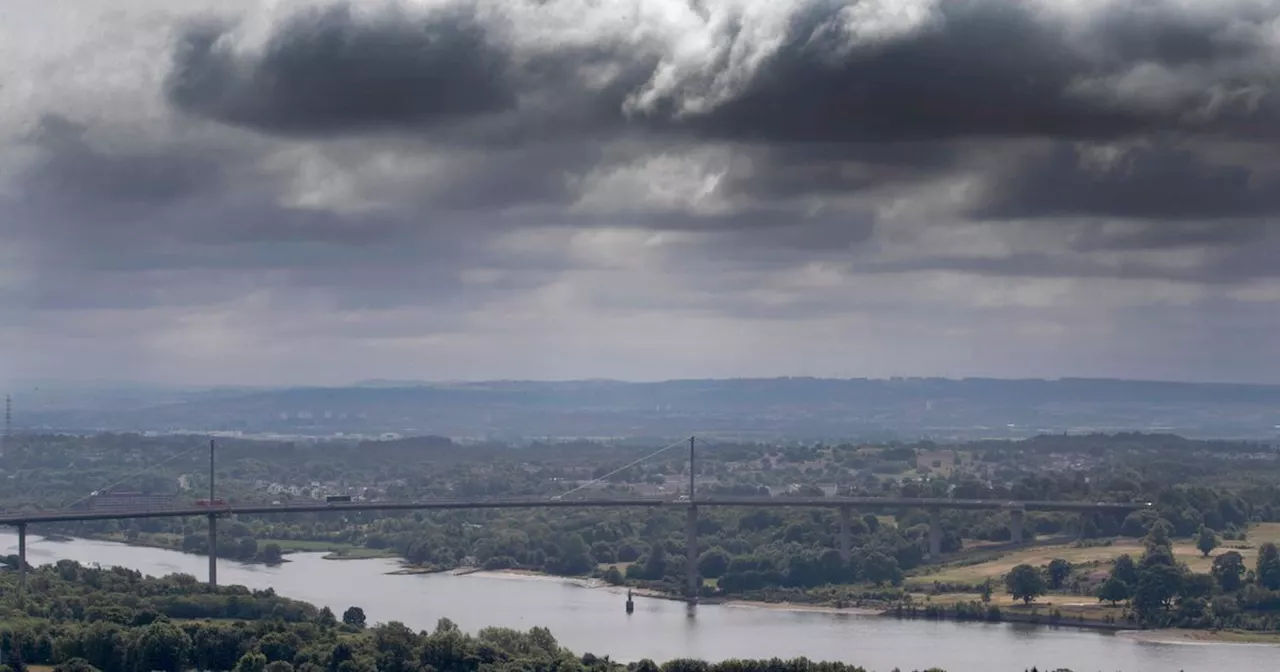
<point x="1162" y="592"/>
<point x="70" y="592"/>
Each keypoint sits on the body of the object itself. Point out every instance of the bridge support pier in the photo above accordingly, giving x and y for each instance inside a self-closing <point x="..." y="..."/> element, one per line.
<point x="1016" y="520"/>
<point x="846" y="536"/>
<point x="213" y="551"/>
<point x="691" y="563"/>
<point x="935" y="534"/>
<point x="22" y="563"/>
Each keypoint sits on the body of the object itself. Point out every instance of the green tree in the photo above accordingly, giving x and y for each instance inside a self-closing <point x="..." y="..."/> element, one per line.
<point x="1059" y="572"/>
<point x="986" y="591"/>
<point x="1157" y="586"/>
<point x="713" y="563"/>
<point x="251" y="662"/>
<point x="1268" y="567"/>
<point x="1113" y="590"/>
<point x="1125" y="569"/>
<point x="1228" y="570"/>
<point x="1025" y="583"/>
<point x="75" y="665"/>
<point x="326" y="618"/>
<point x="354" y="616"/>
<point x="247" y="548"/>
<point x="161" y="646"/>
<point x="1206" y="541"/>
<point x="271" y="554"/>
<point x="880" y="568"/>
<point x="1160" y="536"/>
<point x="655" y="566"/>
<point x="279" y="666"/>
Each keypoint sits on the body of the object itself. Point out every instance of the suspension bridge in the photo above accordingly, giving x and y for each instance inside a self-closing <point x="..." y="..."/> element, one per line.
<point x="690" y="503"/>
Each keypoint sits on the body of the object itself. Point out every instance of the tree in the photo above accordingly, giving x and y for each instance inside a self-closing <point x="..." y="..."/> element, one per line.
<point x="879" y="568"/>
<point x="1160" y="535"/>
<point x="75" y="665"/>
<point x="1206" y="541"/>
<point x="271" y="554"/>
<point x="1059" y="572"/>
<point x="161" y="646"/>
<point x="326" y="618"/>
<point x="986" y="591"/>
<point x="1228" y="569"/>
<point x="1025" y="583"/>
<point x="1113" y="590"/>
<point x="247" y="548"/>
<point x="1157" y="586"/>
<point x="251" y="662"/>
<point x="354" y="616"/>
<point x="1268" y="567"/>
<point x="279" y="666"/>
<point x="1125" y="570"/>
<point x="713" y="563"/>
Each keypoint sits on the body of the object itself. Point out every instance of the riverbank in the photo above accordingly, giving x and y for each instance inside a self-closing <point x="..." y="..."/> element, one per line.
<point x="172" y="542"/>
<point x="1203" y="637"/>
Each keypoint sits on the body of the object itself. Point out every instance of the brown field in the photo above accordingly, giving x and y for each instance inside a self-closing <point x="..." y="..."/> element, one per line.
<point x="1183" y="549"/>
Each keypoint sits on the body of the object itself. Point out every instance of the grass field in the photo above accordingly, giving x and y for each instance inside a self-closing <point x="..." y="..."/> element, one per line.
<point x="1183" y="549"/>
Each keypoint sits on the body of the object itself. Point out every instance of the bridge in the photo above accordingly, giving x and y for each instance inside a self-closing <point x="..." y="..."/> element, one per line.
<point x="846" y="506"/>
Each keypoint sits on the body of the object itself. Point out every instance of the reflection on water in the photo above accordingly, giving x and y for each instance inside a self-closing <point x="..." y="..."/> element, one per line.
<point x="595" y="620"/>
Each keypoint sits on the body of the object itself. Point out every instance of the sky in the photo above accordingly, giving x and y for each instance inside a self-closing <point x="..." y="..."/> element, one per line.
<point x="288" y="192"/>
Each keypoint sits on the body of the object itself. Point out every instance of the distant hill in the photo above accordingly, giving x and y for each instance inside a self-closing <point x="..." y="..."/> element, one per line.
<point x="776" y="407"/>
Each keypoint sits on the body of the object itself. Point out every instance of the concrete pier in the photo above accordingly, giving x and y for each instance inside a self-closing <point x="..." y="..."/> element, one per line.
<point x="22" y="563"/>
<point x="1016" y="521"/>
<point x="213" y="551"/>
<point x="691" y="545"/>
<point x="846" y="535"/>
<point x="935" y="534"/>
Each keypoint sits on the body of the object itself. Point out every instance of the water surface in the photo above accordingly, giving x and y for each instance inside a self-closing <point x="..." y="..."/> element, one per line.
<point x="593" y="619"/>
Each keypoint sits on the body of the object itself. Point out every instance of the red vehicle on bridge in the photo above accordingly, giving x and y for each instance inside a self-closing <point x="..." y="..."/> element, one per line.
<point x="211" y="502"/>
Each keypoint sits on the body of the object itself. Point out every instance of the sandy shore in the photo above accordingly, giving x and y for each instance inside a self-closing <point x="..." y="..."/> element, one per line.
<point x="792" y="606"/>
<point x="532" y="575"/>
<point x="1203" y="637"/>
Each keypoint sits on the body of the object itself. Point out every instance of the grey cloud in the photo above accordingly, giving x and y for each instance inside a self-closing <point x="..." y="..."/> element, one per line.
<point x="1160" y="181"/>
<point x="994" y="68"/>
<point x="325" y="71"/>
<point x="976" y="68"/>
<point x="70" y="169"/>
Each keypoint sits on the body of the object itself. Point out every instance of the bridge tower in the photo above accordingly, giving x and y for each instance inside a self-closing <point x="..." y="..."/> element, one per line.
<point x="694" y="583"/>
<point x="213" y="526"/>
<point x="846" y="535"/>
<point x="935" y="534"/>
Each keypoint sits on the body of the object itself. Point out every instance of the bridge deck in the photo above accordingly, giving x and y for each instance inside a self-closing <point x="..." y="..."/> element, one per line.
<point x="868" y="503"/>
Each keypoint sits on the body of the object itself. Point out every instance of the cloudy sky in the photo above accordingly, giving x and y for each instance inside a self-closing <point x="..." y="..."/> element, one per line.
<point x="244" y="191"/>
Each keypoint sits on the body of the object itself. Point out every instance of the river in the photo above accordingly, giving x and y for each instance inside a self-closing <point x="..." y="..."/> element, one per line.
<point x="593" y="619"/>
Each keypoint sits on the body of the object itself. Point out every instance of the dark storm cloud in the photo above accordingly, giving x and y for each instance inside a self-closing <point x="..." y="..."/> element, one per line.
<point x="1160" y="181"/>
<point x="978" y="68"/>
<point x="70" y="170"/>
<point x="325" y="71"/>
<point x="985" y="68"/>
